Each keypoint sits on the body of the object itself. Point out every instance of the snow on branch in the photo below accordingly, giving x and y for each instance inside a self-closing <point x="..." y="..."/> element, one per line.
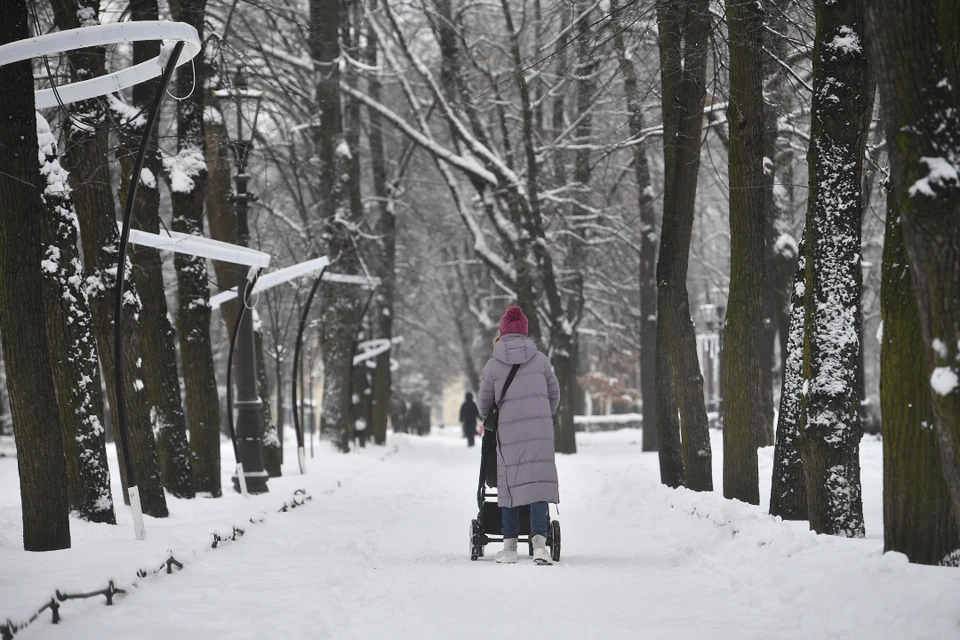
<point x="467" y="165"/>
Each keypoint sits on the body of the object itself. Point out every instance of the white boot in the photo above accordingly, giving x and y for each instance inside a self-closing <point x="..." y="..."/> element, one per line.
<point x="509" y="553"/>
<point x="540" y="553"/>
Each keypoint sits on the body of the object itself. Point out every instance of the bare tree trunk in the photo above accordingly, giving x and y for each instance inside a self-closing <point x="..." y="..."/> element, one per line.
<point x="788" y="490"/>
<point x="73" y="348"/>
<point x="187" y="172"/>
<point x="86" y="157"/>
<point x="916" y="502"/>
<point x="341" y="302"/>
<point x="923" y="128"/>
<point x="159" y="339"/>
<point x="36" y="425"/>
<point x="684" y="26"/>
<point x="842" y="105"/>
<point x="743" y="402"/>
<point x="668" y="423"/>
<point x="385" y="228"/>
<point x="272" y="451"/>
<point x="778" y="252"/>
<point x="648" y="247"/>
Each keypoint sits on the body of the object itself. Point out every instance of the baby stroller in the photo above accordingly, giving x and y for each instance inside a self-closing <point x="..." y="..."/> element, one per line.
<point x="488" y="525"/>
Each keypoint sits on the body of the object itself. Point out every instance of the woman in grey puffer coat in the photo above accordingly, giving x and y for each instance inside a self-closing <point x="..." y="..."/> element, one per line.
<point x="526" y="467"/>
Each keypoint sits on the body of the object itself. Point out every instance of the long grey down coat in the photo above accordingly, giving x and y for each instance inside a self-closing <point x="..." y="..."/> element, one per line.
<point x="526" y="467"/>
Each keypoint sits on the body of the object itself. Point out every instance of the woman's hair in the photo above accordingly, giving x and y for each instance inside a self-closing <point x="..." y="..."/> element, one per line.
<point x="496" y="338"/>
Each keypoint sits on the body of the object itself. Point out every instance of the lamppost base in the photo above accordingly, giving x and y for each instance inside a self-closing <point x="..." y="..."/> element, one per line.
<point x="256" y="482"/>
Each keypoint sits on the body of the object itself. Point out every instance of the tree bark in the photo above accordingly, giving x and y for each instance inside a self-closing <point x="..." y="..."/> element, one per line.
<point x="36" y="425"/>
<point x="159" y="339"/>
<point x="341" y="302"/>
<point x="779" y="246"/>
<point x="73" y="348"/>
<point x="187" y="173"/>
<point x="788" y="490"/>
<point x="743" y="402"/>
<point x="85" y="157"/>
<point x="271" y="440"/>
<point x="840" y="118"/>
<point x="648" y="246"/>
<point x="916" y="502"/>
<point x="923" y="134"/>
<point x="385" y="229"/>
<point x="684" y="26"/>
<point x="668" y="423"/>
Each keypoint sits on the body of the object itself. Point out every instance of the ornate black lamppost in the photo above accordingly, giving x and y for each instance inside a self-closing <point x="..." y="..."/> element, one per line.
<point x="241" y="107"/>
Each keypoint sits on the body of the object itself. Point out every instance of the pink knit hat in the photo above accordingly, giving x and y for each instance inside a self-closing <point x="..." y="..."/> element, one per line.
<point x="513" y="321"/>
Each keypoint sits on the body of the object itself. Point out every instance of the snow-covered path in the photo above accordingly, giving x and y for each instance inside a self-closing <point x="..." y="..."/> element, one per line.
<point x="382" y="552"/>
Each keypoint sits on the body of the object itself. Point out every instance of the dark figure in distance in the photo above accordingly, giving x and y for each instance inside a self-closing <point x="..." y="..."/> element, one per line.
<point x="468" y="418"/>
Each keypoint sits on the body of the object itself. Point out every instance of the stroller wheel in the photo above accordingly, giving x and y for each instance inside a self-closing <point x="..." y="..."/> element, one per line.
<point x="476" y="546"/>
<point x="555" y="541"/>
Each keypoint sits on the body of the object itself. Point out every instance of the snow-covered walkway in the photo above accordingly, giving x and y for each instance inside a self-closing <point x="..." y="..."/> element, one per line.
<point x="382" y="552"/>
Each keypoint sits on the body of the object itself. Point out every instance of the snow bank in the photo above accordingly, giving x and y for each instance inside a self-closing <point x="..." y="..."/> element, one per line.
<point x="382" y="552"/>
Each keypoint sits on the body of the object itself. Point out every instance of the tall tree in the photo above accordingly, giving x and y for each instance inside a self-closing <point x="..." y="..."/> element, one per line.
<point x="85" y="157"/>
<point x="684" y="26"/>
<point x="73" y="348"/>
<point x="386" y="231"/>
<point x="919" y="105"/>
<point x="916" y="503"/>
<point x="341" y="302"/>
<point x="743" y="402"/>
<point x="840" y="119"/>
<point x="788" y="489"/>
<point x="648" y="244"/>
<point x="780" y="248"/>
<point x="36" y="425"/>
<point x="159" y="339"/>
<point x="187" y="175"/>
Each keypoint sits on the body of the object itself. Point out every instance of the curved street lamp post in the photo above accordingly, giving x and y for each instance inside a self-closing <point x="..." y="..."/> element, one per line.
<point x="241" y="107"/>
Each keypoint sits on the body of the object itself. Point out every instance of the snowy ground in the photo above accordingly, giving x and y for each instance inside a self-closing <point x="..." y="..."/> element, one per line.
<point x="382" y="552"/>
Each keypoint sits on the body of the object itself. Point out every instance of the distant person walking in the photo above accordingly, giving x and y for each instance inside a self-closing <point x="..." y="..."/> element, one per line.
<point x="526" y="467"/>
<point x="468" y="418"/>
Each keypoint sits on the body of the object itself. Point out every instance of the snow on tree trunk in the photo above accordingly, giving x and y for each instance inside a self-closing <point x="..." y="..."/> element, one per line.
<point x="916" y="503"/>
<point x="272" y="451"/>
<point x="841" y="110"/>
<point x="683" y="26"/>
<point x="159" y="339"/>
<point x="919" y="105"/>
<point x="86" y="158"/>
<point x="341" y="303"/>
<point x="36" y="425"/>
<point x="187" y="175"/>
<point x="73" y="349"/>
<point x="788" y="493"/>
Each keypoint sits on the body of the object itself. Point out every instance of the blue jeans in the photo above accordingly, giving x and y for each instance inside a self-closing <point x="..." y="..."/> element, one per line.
<point x="538" y="520"/>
